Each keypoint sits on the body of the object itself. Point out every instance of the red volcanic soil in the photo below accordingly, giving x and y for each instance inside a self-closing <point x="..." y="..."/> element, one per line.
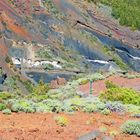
<point x="10" y="14"/>
<point x="99" y="86"/>
<point x="13" y="26"/>
<point x="43" y="126"/>
<point x="24" y="7"/>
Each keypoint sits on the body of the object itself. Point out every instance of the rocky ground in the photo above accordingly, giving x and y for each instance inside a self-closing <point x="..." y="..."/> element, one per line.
<point x="43" y="126"/>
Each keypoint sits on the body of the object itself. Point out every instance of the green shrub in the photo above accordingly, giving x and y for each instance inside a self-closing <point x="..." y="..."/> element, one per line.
<point x="41" y="88"/>
<point x="43" y="53"/>
<point x="116" y="58"/>
<point x="8" y="59"/>
<point x="116" y="93"/>
<point x="11" y="82"/>
<point x="5" y="95"/>
<point x="106" y="111"/>
<point x="2" y="106"/>
<point x="116" y="106"/>
<point x="29" y="86"/>
<point x="50" y="105"/>
<point x="131" y="127"/>
<point x="114" y="133"/>
<point x="96" y="76"/>
<point x="41" y="107"/>
<point x="49" y="67"/>
<point x="6" y="111"/>
<point x="89" y="108"/>
<point x="133" y="109"/>
<point x="61" y="120"/>
<point x="38" y="98"/>
<point x="23" y="106"/>
<point x="83" y="81"/>
<point x="54" y="105"/>
<point x="73" y="104"/>
<point x="110" y="84"/>
<point x="56" y="94"/>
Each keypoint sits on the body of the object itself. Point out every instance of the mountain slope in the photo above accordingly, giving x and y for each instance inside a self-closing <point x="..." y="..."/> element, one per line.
<point x="77" y="35"/>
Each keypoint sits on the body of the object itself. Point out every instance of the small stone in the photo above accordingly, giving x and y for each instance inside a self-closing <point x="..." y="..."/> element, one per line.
<point x="107" y="138"/>
<point x="11" y="130"/>
<point x="109" y="123"/>
<point x="90" y="136"/>
<point x="59" y="131"/>
<point x="34" y="130"/>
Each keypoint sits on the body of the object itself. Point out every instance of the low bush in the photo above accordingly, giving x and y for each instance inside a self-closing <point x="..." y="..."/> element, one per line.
<point x="95" y="101"/>
<point x="131" y="127"/>
<point x="90" y="108"/>
<point x="97" y="76"/>
<point x="115" y="107"/>
<point x="66" y="98"/>
<point x="8" y="59"/>
<point x="56" y="94"/>
<point x="114" y="133"/>
<point x="53" y="105"/>
<point x="133" y="108"/>
<point x="88" y="104"/>
<point x="61" y="120"/>
<point x="106" y="111"/>
<point x="37" y="98"/>
<point x="23" y="106"/>
<point x="41" y="88"/>
<point x="116" y="93"/>
<point x="11" y="82"/>
<point x="73" y="104"/>
<point x="110" y="84"/>
<point x="41" y="107"/>
<point x="49" y="67"/>
<point x="29" y="86"/>
<point x="2" y="106"/>
<point x="5" y="95"/>
<point x="83" y="81"/>
<point x="6" y="111"/>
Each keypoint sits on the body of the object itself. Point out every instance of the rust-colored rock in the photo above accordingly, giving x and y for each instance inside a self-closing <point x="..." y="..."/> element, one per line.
<point x="58" y="82"/>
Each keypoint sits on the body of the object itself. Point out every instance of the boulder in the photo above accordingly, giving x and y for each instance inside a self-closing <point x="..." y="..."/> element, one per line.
<point x="90" y="136"/>
<point x="107" y="138"/>
<point x="58" y="82"/>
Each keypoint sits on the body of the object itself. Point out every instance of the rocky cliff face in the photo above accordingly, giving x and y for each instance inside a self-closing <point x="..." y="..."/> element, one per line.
<point x="77" y="35"/>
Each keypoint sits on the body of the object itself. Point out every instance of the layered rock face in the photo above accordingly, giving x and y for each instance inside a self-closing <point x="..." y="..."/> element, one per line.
<point x="75" y="31"/>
